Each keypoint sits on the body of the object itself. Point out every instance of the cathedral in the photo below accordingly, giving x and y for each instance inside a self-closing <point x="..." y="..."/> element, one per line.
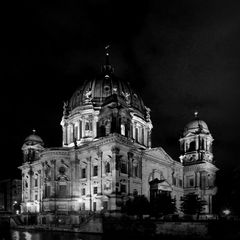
<point x="106" y="156"/>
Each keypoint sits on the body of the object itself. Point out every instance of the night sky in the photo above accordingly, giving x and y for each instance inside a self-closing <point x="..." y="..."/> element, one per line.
<point x="180" y="56"/>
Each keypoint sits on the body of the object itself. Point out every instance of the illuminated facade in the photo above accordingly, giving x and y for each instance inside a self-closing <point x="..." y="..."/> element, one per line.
<point x="106" y="155"/>
<point x="197" y="158"/>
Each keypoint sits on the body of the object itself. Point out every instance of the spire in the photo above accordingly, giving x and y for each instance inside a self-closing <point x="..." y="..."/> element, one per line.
<point x="107" y="55"/>
<point x="200" y="127"/>
<point x="33" y="131"/>
<point x="107" y="66"/>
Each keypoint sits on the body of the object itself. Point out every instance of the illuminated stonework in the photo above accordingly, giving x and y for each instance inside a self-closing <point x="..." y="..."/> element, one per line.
<point x="197" y="159"/>
<point x="106" y="155"/>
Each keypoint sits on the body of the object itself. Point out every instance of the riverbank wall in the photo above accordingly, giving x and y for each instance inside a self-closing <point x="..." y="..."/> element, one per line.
<point x="217" y="229"/>
<point x="122" y="226"/>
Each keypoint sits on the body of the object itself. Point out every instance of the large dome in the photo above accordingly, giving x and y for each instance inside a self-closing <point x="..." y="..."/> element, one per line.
<point x="95" y="91"/>
<point x="195" y="126"/>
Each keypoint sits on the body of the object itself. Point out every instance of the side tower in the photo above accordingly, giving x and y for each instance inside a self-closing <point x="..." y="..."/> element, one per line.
<point x="31" y="179"/>
<point x="197" y="159"/>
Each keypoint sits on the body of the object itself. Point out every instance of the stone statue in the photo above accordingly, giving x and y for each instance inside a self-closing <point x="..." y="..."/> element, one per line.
<point x="127" y="97"/>
<point x="88" y="95"/>
<point x="65" y="108"/>
<point x="148" y="110"/>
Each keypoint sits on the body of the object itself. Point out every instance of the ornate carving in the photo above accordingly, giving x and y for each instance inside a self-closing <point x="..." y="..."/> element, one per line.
<point x="118" y="161"/>
<point x="114" y="90"/>
<point x="62" y="161"/>
<point x="148" y="110"/>
<point x="88" y="95"/>
<point x="107" y="185"/>
<point x="135" y="162"/>
<point x="130" y="155"/>
<point x="62" y="170"/>
<point x="107" y="167"/>
<point x="53" y="161"/>
<point x="99" y="153"/>
<point x="62" y="178"/>
<point x="115" y="150"/>
<point x="47" y="174"/>
<point x="127" y="97"/>
<point x="65" y="109"/>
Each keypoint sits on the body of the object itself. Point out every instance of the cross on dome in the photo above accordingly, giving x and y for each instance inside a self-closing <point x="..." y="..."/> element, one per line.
<point x="107" y="66"/>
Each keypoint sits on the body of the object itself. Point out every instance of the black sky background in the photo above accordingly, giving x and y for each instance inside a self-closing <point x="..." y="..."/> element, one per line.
<point x="180" y="56"/>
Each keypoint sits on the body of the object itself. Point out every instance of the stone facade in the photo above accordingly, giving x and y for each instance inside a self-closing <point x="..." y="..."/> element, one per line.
<point x="106" y="155"/>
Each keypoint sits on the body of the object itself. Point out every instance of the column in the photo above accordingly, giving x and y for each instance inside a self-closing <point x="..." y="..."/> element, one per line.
<point x="68" y="134"/>
<point x="80" y="129"/>
<point x="64" y="134"/>
<point x="197" y="144"/>
<point x="134" y="130"/>
<point x="89" y="177"/>
<point x="94" y="125"/>
<point x="100" y="169"/>
<point x="83" y="127"/>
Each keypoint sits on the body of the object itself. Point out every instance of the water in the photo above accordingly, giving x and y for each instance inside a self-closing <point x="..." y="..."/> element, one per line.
<point x="47" y="235"/>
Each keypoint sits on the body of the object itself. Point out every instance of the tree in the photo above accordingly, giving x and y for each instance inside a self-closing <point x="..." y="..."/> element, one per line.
<point x="139" y="206"/>
<point x="163" y="204"/>
<point x="192" y="204"/>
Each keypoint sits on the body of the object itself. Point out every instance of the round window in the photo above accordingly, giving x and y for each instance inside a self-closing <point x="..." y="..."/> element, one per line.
<point x="62" y="170"/>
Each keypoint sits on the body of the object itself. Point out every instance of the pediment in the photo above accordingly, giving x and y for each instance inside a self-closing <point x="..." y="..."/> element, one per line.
<point x="159" y="153"/>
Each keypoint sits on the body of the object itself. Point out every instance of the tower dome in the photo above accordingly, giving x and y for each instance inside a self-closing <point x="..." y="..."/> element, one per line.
<point x="196" y="126"/>
<point x="33" y="145"/>
<point x="33" y="139"/>
<point x="196" y="142"/>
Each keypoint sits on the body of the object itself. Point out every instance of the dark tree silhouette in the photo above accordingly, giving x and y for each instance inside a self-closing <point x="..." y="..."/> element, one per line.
<point x="162" y="205"/>
<point x="192" y="204"/>
<point x="139" y="206"/>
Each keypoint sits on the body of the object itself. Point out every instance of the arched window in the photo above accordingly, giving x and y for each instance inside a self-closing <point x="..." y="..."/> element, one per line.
<point x="88" y="125"/>
<point x="192" y="146"/>
<point x="123" y="167"/>
<point x="136" y="133"/>
<point x="143" y="136"/>
<point x="107" y="167"/>
<point x="135" y="168"/>
<point x="136" y="171"/>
